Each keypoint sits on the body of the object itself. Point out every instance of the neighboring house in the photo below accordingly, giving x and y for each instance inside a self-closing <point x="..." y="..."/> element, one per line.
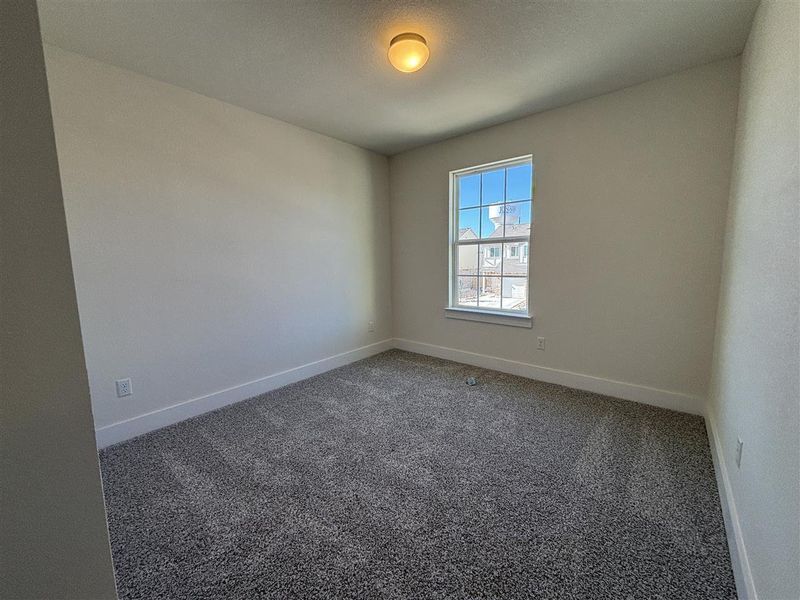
<point x="515" y="261"/>
<point x="490" y="261"/>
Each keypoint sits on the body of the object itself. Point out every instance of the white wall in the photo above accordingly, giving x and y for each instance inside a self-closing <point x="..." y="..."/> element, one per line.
<point x="212" y="246"/>
<point x="631" y="191"/>
<point x="53" y="536"/>
<point x="755" y="390"/>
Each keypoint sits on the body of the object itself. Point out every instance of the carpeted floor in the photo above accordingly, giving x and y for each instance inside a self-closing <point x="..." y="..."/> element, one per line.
<point x="391" y="478"/>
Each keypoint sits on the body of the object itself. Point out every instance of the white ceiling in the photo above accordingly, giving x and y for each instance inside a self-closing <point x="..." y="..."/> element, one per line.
<point x="322" y="64"/>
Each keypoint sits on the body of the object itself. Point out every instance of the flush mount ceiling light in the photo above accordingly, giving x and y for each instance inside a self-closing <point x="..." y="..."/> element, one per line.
<point x="408" y="52"/>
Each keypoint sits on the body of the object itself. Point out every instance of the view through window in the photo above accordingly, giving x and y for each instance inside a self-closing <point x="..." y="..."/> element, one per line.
<point x="492" y="209"/>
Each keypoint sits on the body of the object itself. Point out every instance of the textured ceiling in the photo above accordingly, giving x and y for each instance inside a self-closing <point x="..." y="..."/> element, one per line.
<point x="322" y="64"/>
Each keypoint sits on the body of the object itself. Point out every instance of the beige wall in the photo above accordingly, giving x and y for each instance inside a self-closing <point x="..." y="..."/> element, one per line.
<point x="631" y="191"/>
<point x="212" y="246"/>
<point x="53" y="538"/>
<point x="755" y="391"/>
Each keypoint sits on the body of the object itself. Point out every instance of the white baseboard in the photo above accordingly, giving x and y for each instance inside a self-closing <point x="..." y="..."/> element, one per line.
<point x="745" y="586"/>
<point x="589" y="383"/>
<point x="135" y="426"/>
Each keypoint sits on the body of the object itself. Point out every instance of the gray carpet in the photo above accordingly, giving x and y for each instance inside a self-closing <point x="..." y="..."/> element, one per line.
<point x="391" y="478"/>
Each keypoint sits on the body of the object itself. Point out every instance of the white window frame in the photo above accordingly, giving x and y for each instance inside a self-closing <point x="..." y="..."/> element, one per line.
<point x="495" y="315"/>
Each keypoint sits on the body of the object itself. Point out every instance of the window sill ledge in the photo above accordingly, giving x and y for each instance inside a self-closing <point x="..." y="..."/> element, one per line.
<point x="487" y="316"/>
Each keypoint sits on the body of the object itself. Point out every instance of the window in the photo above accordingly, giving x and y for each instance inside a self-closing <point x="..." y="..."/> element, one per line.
<point x="491" y="217"/>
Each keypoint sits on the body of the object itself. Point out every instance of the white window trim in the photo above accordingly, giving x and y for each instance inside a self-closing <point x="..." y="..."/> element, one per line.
<point x="495" y="316"/>
<point x="489" y="316"/>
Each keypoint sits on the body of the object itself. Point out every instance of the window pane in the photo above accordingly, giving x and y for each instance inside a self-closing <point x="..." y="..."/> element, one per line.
<point x="518" y="184"/>
<point x="489" y="292"/>
<point x="467" y="260"/>
<point x="493" y="186"/>
<point x="517" y="218"/>
<point x="515" y="293"/>
<point x="469" y="190"/>
<point x="492" y="221"/>
<point x="469" y="223"/>
<point x="467" y="293"/>
<point x="491" y="259"/>
<point x="515" y="259"/>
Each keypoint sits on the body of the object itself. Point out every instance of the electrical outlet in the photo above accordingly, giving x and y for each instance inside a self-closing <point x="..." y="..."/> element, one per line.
<point x="124" y="387"/>
<point x="739" y="444"/>
<point x="540" y="343"/>
<point x="371" y="326"/>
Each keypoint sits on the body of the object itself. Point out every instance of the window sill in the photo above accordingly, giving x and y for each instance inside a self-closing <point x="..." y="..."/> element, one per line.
<point x="488" y="316"/>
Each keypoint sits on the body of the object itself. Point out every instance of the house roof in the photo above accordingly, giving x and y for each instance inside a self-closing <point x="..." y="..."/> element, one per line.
<point x="512" y="230"/>
<point x="466" y="233"/>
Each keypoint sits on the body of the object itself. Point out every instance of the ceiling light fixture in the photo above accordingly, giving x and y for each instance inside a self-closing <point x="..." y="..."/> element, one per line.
<point x="408" y="52"/>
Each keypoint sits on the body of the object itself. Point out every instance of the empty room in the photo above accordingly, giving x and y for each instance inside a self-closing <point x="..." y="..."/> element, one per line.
<point x="400" y="299"/>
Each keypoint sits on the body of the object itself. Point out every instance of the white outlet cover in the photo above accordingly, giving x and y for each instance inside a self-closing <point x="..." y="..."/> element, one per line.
<point x="124" y="387"/>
